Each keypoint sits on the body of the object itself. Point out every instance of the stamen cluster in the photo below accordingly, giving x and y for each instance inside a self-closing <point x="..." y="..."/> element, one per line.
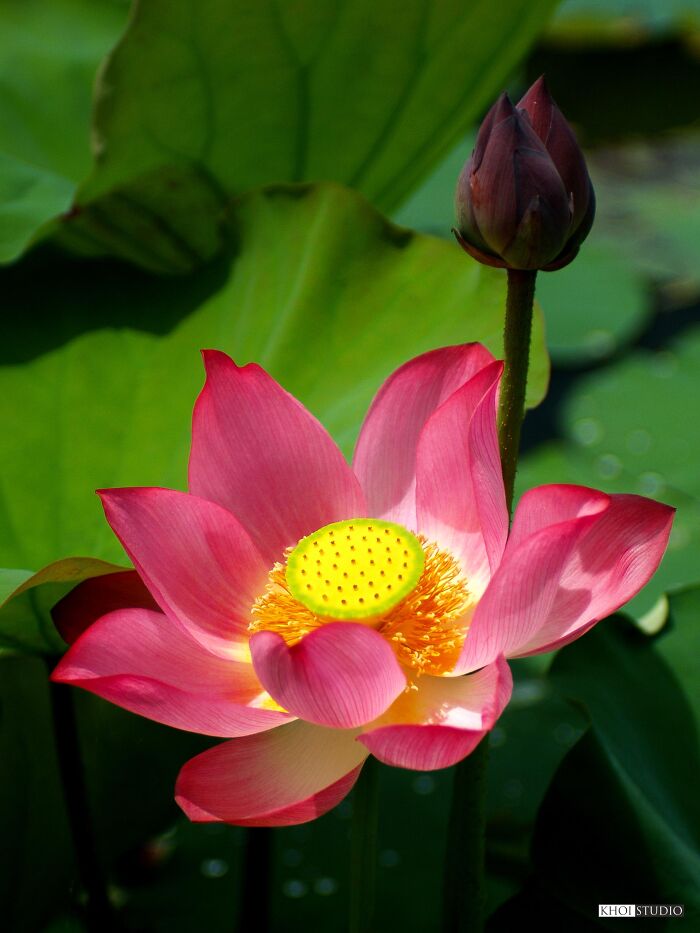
<point x="426" y="629"/>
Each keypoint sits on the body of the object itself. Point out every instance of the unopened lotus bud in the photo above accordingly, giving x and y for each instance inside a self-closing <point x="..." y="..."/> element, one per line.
<point x="524" y="199"/>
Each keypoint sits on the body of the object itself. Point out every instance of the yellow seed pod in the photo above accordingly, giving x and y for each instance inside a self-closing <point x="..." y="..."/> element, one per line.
<point x="356" y="569"/>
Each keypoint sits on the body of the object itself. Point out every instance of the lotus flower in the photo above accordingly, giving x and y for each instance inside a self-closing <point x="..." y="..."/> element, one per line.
<point x="315" y="613"/>
<point x="524" y="198"/>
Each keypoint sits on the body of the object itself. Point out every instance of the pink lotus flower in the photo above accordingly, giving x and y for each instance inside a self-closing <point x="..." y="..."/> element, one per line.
<point x="315" y="613"/>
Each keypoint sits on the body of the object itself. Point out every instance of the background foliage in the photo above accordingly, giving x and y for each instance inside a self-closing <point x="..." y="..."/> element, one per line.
<point x="275" y="179"/>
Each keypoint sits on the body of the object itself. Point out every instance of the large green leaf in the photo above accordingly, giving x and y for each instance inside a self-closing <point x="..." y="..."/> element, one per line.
<point x="26" y="599"/>
<point x="102" y="368"/>
<point x="49" y="53"/>
<point x="29" y="197"/>
<point x="228" y="96"/>
<point x="272" y="92"/>
<point x="637" y="807"/>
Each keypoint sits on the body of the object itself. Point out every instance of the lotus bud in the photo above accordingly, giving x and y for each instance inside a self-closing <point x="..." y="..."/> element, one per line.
<point x="524" y="199"/>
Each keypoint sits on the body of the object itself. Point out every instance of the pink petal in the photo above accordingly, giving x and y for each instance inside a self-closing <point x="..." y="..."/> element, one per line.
<point x="342" y="674"/>
<point x="144" y="662"/>
<point x="305" y="810"/>
<point x="460" y="498"/>
<point x="97" y="596"/>
<point x="544" y="506"/>
<point x="195" y="557"/>
<point x="284" y="776"/>
<point x="385" y="456"/>
<point x="525" y="590"/>
<point x="616" y="558"/>
<point x="442" y="721"/>
<point x="557" y="579"/>
<point x="257" y="451"/>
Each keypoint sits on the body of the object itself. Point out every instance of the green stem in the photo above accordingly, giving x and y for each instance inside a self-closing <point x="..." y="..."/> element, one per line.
<point x="464" y="891"/>
<point x="99" y="914"/>
<point x="464" y="870"/>
<point x="255" y="888"/>
<point x="363" y="848"/>
<point x="516" y="344"/>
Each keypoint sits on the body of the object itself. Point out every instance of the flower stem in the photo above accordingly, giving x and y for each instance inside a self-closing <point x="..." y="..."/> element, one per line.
<point x="98" y="912"/>
<point x="464" y="892"/>
<point x="255" y="888"/>
<point x="464" y="896"/>
<point x="363" y="848"/>
<point x="516" y="344"/>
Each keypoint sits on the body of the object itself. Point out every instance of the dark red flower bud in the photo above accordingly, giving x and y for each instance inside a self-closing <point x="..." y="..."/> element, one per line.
<point x="524" y="199"/>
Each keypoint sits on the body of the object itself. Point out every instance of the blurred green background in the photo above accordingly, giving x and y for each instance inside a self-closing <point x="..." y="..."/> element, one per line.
<point x="275" y="178"/>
